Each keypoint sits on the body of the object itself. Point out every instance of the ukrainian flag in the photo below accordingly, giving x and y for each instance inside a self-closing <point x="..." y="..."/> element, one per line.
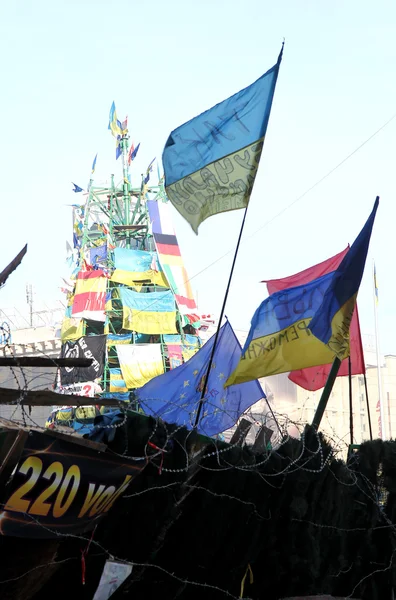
<point x="331" y="323"/>
<point x="117" y="383"/>
<point x="210" y="162"/>
<point x="139" y="363"/>
<point x="114" y="124"/>
<point x="152" y="313"/>
<point x="308" y="325"/>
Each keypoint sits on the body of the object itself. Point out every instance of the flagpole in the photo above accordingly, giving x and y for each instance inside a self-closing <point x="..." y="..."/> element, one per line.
<point x="202" y="399"/>
<point x="326" y="393"/>
<point x="377" y="348"/>
<point x="368" y="407"/>
<point x="350" y="399"/>
<point x="125" y="180"/>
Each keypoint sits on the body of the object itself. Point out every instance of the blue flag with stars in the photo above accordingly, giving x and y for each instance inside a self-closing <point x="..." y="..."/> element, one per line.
<point x="175" y="395"/>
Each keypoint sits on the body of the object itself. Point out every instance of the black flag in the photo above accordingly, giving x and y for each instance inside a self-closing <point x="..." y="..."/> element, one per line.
<point x="86" y="347"/>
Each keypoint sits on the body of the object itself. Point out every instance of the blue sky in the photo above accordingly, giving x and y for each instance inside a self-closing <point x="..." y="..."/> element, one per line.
<point x="64" y="62"/>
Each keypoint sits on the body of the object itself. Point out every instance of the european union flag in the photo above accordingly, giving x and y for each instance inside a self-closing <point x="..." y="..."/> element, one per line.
<point x="98" y="255"/>
<point x="211" y="162"/>
<point x="175" y="395"/>
<point x="77" y="188"/>
<point x="118" y="149"/>
<point x="308" y="325"/>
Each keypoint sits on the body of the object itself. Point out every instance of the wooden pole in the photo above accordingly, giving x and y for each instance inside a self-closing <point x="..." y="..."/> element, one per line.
<point x="41" y="361"/>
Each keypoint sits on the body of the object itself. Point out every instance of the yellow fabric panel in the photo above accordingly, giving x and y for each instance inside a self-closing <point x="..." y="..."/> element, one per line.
<point x="85" y="412"/>
<point x="64" y="415"/>
<point x="196" y="201"/>
<point x="96" y="284"/>
<point x="290" y="349"/>
<point x="115" y="342"/>
<point x="171" y="259"/>
<point x="140" y="363"/>
<point x="118" y="388"/>
<point x="149" y="322"/>
<point x="187" y="353"/>
<point x="340" y="325"/>
<point x="72" y="329"/>
<point x="131" y="277"/>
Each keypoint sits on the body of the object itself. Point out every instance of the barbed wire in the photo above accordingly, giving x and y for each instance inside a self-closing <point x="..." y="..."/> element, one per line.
<point x="199" y="471"/>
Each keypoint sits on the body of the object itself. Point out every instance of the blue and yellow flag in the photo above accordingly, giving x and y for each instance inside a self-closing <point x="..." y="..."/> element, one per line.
<point x="308" y="325"/>
<point x="152" y="313"/>
<point x="211" y="162"/>
<point x="331" y="323"/>
<point x="114" y="124"/>
<point x="148" y="171"/>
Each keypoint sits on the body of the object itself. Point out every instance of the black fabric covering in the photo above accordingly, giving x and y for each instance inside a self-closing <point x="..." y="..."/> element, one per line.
<point x="306" y="522"/>
<point x="85" y="347"/>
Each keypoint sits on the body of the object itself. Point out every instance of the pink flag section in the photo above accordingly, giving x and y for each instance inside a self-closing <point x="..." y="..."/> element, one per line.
<point x="315" y="378"/>
<point x="175" y="355"/>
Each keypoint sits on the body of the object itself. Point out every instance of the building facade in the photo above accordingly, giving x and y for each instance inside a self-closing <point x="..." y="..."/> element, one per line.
<point x="29" y="341"/>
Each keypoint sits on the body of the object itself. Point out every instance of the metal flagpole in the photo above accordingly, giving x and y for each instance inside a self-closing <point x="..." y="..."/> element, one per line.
<point x="202" y="399"/>
<point x="350" y="399"/>
<point x="125" y="174"/>
<point x="368" y="406"/>
<point x="377" y="347"/>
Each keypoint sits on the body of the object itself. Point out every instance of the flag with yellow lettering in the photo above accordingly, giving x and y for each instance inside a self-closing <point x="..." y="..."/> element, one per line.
<point x="308" y="325"/>
<point x="210" y="162"/>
